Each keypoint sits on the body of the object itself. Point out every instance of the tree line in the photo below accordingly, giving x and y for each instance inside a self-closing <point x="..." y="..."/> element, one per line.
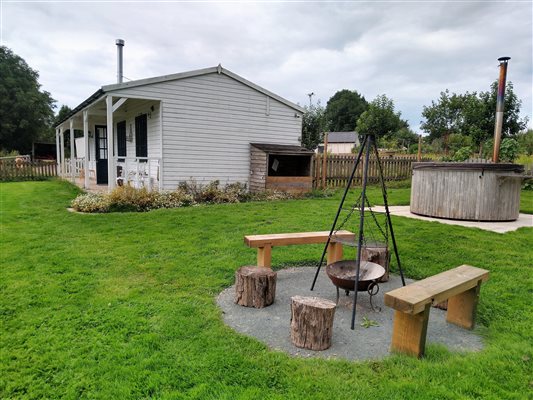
<point x="454" y="123"/>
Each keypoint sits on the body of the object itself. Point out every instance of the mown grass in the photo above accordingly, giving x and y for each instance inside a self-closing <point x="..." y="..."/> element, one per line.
<point x="123" y="305"/>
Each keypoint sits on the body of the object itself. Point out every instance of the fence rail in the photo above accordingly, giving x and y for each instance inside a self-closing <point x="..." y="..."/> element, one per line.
<point x="21" y="169"/>
<point x="339" y="167"/>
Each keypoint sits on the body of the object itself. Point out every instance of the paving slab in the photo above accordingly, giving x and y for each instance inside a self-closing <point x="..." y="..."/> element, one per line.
<point x="271" y="325"/>
<point x="523" y="221"/>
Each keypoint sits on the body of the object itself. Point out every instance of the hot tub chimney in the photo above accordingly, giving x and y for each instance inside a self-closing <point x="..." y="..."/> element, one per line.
<point x="499" y="108"/>
<point x="120" y="45"/>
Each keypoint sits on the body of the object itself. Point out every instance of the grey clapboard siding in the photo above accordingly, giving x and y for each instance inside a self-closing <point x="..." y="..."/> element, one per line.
<point x="209" y="122"/>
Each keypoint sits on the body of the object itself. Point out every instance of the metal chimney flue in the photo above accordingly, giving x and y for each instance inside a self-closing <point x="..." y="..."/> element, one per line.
<point x="499" y="108"/>
<point x="120" y="74"/>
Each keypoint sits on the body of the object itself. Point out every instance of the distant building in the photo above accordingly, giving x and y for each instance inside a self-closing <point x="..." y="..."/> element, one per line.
<point x="340" y="142"/>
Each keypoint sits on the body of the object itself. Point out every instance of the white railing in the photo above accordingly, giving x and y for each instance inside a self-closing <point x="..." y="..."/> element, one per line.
<point x="138" y="172"/>
<point x="78" y="167"/>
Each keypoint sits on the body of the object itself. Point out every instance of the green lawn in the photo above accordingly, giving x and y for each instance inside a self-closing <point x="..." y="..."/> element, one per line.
<point x="117" y="306"/>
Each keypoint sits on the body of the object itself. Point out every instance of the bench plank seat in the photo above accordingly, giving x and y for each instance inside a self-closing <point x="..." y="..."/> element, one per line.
<point x="264" y="243"/>
<point x="413" y="298"/>
<point x="285" y="239"/>
<point x="460" y="286"/>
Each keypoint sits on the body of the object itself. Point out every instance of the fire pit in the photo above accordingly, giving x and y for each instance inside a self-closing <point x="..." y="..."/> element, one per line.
<point x="342" y="274"/>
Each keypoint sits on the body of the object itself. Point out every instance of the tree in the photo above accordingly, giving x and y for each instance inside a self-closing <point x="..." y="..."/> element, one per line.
<point x="312" y="126"/>
<point x="380" y="119"/>
<point x="62" y="114"/>
<point x="343" y="110"/>
<point x="443" y="117"/>
<point x="473" y="115"/>
<point x="26" y="112"/>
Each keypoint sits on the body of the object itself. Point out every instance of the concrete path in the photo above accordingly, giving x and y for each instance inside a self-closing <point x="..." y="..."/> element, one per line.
<point x="524" y="220"/>
<point x="271" y="325"/>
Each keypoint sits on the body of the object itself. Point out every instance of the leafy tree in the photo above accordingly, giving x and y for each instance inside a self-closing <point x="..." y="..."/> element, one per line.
<point x="472" y="114"/>
<point x="61" y="114"/>
<point x="26" y="112"/>
<point x="405" y="137"/>
<point x="312" y="126"/>
<point x="343" y="110"/>
<point x="443" y="117"/>
<point x="380" y="119"/>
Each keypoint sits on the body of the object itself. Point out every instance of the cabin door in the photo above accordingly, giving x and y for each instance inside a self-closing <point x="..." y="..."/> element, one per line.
<point x="100" y="140"/>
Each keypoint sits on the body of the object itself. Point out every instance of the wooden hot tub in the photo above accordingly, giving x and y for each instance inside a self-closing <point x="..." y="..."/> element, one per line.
<point x="466" y="191"/>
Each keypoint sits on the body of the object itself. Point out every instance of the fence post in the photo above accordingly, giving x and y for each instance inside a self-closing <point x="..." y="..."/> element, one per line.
<point x="324" y="160"/>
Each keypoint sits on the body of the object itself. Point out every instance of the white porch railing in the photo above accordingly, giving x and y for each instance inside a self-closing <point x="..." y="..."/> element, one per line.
<point x="78" y="167"/>
<point x="138" y="172"/>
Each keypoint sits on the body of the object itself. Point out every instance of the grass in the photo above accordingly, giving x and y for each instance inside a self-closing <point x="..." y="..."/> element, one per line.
<point x="123" y="305"/>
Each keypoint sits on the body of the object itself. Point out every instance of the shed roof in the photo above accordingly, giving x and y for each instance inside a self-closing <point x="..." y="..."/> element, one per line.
<point x="342" y="137"/>
<point x="182" y="75"/>
<point x="282" y="149"/>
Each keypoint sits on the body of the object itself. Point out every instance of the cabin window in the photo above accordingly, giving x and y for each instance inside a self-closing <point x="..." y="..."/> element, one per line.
<point x="121" y="140"/>
<point x="141" y="136"/>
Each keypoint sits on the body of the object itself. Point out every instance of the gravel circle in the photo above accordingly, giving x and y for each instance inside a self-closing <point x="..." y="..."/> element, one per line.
<point x="271" y="325"/>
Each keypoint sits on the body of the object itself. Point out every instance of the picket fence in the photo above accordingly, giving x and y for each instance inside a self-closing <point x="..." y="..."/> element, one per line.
<point x="340" y="166"/>
<point x="21" y="168"/>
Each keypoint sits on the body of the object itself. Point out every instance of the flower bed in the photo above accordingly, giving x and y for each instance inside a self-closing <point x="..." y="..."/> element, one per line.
<point x="127" y="198"/>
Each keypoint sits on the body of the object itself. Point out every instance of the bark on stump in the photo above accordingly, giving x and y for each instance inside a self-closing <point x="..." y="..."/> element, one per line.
<point x="255" y="286"/>
<point x="378" y="254"/>
<point x="312" y="322"/>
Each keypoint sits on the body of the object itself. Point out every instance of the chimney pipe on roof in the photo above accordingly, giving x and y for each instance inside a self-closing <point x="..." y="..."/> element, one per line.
<point x="120" y="45"/>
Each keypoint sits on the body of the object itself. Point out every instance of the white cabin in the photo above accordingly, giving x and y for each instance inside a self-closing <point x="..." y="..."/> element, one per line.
<point x="195" y="125"/>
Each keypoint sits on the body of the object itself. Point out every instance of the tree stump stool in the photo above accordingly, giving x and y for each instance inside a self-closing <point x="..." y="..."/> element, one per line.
<point x="312" y="322"/>
<point x="379" y="254"/>
<point x="255" y="286"/>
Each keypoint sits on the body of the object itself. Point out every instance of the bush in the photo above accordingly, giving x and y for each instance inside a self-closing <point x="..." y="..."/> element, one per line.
<point x="127" y="198"/>
<point x="509" y="150"/>
<point x="91" y="203"/>
<point x="462" y="154"/>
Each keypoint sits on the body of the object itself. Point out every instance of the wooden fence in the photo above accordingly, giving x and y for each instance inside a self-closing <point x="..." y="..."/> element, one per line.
<point x="339" y="167"/>
<point x="22" y="169"/>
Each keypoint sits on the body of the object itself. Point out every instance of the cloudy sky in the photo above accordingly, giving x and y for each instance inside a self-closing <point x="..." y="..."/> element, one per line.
<point x="408" y="50"/>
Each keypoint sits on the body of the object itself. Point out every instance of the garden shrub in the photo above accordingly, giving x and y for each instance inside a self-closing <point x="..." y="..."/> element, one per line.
<point x="91" y="203"/>
<point x="462" y="154"/>
<point x="127" y="198"/>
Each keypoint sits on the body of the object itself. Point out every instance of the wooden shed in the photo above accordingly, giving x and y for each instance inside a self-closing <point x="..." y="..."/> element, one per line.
<point x="280" y="167"/>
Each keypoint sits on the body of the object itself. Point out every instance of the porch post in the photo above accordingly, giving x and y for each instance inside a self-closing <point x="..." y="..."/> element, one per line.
<point x="111" y="178"/>
<point x="62" y="157"/>
<point x="58" y="153"/>
<point x="161" y="175"/>
<point x="72" y="159"/>
<point x="86" y="145"/>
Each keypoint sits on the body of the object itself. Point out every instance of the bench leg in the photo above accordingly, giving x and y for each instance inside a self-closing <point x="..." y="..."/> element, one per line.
<point x="334" y="252"/>
<point x="264" y="256"/>
<point x="462" y="308"/>
<point x="409" y="332"/>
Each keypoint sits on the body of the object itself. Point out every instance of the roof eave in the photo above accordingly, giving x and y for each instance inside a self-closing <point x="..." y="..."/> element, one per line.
<point x="95" y="97"/>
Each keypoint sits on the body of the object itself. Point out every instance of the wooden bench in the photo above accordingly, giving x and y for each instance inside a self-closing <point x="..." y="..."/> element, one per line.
<point x="264" y="243"/>
<point x="460" y="286"/>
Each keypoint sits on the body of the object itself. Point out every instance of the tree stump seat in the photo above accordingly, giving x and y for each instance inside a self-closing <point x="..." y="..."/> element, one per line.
<point x="255" y="287"/>
<point x="312" y="322"/>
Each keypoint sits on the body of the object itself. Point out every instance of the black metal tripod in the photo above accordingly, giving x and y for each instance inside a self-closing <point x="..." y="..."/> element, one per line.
<point x="369" y="144"/>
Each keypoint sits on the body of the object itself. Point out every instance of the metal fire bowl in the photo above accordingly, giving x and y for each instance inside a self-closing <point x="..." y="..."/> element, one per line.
<point x="342" y="274"/>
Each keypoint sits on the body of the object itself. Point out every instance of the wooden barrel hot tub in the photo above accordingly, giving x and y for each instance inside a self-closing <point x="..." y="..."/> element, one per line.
<point x="466" y="191"/>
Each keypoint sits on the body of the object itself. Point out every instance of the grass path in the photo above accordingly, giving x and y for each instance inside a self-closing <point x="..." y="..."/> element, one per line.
<point x="122" y="305"/>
